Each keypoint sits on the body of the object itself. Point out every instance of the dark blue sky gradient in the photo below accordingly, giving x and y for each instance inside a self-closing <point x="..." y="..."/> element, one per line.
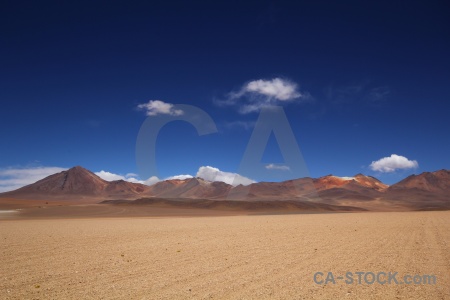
<point x="72" y="74"/>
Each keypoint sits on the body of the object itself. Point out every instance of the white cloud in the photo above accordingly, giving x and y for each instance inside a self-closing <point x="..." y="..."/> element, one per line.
<point x="180" y="177"/>
<point x="257" y="94"/>
<point x="150" y="181"/>
<point x="276" y="88"/>
<point x="277" y="167"/>
<point x="130" y="177"/>
<point x="392" y="163"/>
<point x="158" y="107"/>
<point x="109" y="176"/>
<point x="214" y="174"/>
<point x="378" y="94"/>
<point x="14" y="178"/>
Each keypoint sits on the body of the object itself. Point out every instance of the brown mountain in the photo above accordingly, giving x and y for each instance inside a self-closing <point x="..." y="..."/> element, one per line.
<point x="426" y="191"/>
<point x="189" y="188"/>
<point x="327" y="188"/>
<point x="77" y="182"/>
<point x="285" y="190"/>
<point x="435" y="182"/>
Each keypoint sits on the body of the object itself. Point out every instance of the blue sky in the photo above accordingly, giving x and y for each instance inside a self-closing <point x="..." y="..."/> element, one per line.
<point x="374" y="80"/>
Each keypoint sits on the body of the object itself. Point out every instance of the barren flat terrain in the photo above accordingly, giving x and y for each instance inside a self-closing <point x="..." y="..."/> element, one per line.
<point x="224" y="257"/>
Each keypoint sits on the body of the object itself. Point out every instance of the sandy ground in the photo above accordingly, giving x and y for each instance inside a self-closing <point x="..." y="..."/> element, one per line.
<point x="227" y="257"/>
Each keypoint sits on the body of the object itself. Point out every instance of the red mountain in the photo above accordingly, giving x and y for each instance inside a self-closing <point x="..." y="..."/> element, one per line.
<point x="333" y="189"/>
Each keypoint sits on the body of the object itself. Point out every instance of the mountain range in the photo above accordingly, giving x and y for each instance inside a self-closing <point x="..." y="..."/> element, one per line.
<point x="426" y="191"/>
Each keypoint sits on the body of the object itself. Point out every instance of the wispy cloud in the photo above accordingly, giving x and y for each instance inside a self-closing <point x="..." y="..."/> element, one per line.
<point x="256" y="94"/>
<point x="361" y="91"/>
<point x="392" y="163"/>
<point x="158" y="107"/>
<point x="378" y="94"/>
<point x="14" y="178"/>
<point x="345" y="94"/>
<point x="277" y="167"/>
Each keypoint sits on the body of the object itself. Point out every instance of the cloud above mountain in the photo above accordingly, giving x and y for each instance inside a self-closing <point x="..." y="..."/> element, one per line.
<point x="277" y="167"/>
<point x="214" y="174"/>
<point x="393" y="163"/>
<point x="205" y="172"/>
<point x="256" y="94"/>
<point x="130" y="177"/>
<point x="180" y="177"/>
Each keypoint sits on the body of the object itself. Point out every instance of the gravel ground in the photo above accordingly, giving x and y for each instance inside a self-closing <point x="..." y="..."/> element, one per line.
<point x="224" y="257"/>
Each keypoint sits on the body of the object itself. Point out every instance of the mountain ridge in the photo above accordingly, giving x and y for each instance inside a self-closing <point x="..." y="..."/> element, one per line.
<point x="428" y="190"/>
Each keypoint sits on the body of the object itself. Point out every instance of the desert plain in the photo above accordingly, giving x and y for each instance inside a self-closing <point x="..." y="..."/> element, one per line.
<point x="115" y="253"/>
